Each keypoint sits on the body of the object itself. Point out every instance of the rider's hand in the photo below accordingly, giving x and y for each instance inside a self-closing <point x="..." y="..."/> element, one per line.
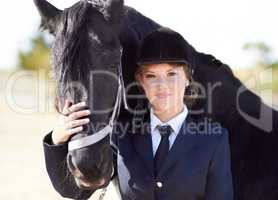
<point x="70" y="122"/>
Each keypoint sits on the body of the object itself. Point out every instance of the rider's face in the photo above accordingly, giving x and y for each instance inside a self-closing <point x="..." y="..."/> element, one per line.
<point x="164" y="85"/>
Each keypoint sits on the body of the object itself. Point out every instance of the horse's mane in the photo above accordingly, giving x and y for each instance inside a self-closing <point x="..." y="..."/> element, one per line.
<point x="73" y="41"/>
<point x="69" y="53"/>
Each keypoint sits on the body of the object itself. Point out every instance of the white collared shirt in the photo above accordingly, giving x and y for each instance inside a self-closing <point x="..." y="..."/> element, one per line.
<point x="175" y="124"/>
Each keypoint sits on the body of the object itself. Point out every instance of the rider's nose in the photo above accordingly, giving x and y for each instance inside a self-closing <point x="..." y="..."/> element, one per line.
<point x="161" y="83"/>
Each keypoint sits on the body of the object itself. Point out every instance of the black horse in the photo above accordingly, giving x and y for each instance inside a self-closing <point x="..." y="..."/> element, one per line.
<point x="86" y="43"/>
<point x="253" y="126"/>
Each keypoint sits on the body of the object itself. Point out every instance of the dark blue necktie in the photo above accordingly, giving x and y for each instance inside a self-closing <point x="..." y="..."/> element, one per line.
<point x="163" y="147"/>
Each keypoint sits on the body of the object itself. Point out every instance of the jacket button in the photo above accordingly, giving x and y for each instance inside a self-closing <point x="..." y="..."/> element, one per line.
<point x="159" y="184"/>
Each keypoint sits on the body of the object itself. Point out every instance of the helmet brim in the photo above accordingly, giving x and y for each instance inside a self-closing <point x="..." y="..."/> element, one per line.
<point x="147" y="62"/>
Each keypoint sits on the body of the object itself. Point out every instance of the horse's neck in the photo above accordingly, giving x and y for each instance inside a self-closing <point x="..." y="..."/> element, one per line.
<point x="137" y="24"/>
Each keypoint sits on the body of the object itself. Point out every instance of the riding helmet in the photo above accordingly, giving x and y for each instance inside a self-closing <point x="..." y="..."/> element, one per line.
<point x="163" y="46"/>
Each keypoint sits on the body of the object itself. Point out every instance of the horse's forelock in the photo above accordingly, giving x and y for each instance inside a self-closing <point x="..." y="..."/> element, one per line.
<point x="70" y="44"/>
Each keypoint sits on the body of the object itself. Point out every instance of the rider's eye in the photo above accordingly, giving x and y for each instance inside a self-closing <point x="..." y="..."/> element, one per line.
<point x="149" y="76"/>
<point x="172" y="74"/>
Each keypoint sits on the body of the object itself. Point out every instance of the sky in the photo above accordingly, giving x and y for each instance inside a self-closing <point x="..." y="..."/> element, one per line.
<point x="217" y="27"/>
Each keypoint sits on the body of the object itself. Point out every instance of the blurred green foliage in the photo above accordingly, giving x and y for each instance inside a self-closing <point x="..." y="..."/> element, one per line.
<point x="263" y="54"/>
<point x="264" y="60"/>
<point x="274" y="65"/>
<point x="262" y="46"/>
<point x="38" y="57"/>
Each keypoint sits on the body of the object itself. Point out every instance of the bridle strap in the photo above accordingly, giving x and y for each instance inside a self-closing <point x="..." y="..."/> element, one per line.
<point x="89" y="140"/>
<point x="107" y="130"/>
<point x="96" y="137"/>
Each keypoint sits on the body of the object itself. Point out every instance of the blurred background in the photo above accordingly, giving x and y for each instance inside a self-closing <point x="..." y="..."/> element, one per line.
<point x="241" y="33"/>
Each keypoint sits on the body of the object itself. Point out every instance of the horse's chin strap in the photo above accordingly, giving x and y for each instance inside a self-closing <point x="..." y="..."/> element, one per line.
<point x="107" y="130"/>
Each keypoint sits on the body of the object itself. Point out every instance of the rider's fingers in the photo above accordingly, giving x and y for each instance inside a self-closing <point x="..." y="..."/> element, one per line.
<point x="66" y="107"/>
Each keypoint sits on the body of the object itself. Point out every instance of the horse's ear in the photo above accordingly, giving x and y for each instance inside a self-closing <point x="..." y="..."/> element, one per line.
<point x="50" y="15"/>
<point x="114" y="10"/>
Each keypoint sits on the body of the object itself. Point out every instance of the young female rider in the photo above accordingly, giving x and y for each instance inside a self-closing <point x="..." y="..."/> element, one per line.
<point x="174" y="159"/>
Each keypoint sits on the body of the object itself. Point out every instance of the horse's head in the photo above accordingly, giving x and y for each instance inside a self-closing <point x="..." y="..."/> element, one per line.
<point x="86" y="56"/>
